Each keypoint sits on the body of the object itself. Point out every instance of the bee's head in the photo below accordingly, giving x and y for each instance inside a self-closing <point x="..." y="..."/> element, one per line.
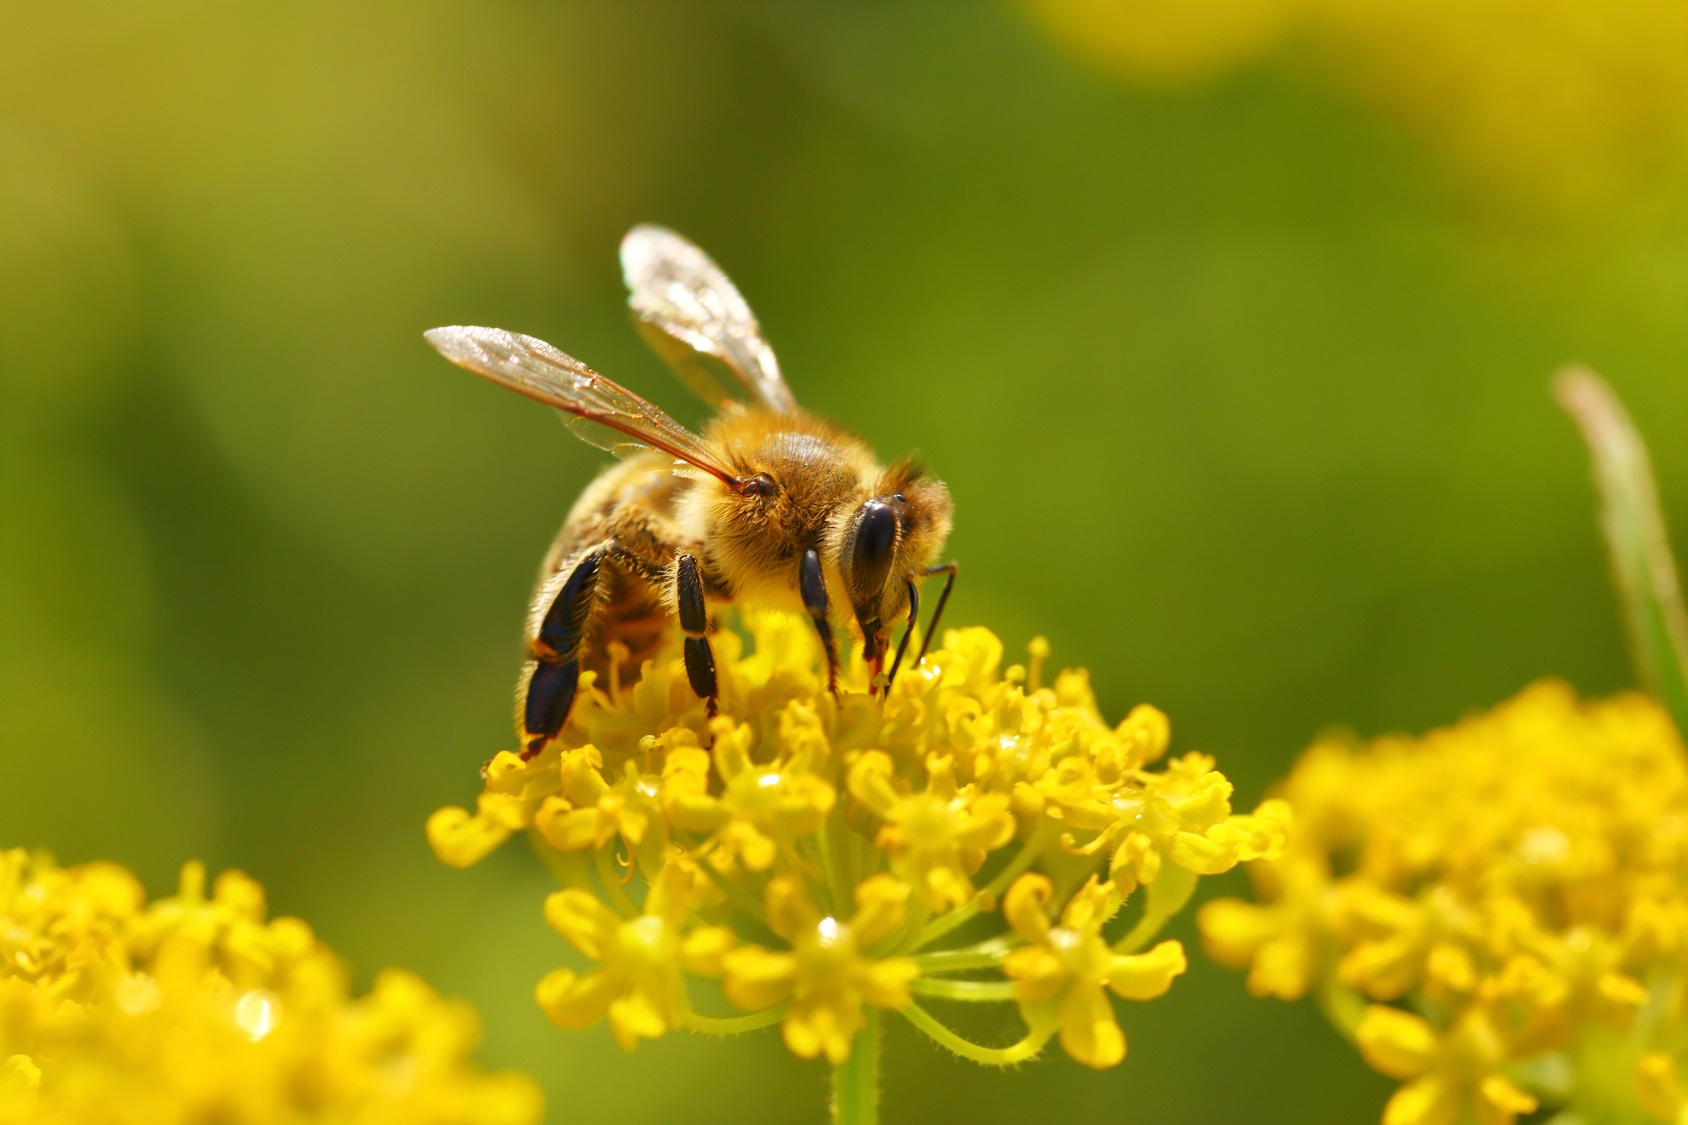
<point x="891" y="537"/>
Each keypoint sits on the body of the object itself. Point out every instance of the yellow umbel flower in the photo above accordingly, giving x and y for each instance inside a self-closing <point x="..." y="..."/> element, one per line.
<point x="1519" y="881"/>
<point x="200" y="1008"/>
<point x="805" y="856"/>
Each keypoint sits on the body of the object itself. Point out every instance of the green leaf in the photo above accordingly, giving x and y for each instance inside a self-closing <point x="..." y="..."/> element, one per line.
<point x="1642" y="565"/>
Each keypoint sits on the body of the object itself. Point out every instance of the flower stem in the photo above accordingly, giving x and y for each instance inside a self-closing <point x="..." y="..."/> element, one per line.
<point x="733" y="1025"/>
<point x="1166" y="896"/>
<point x="1342" y="1006"/>
<point x="985" y="955"/>
<point x="855" y="1081"/>
<point x="1029" y="851"/>
<point x="1635" y="536"/>
<point x="1026" y="1048"/>
<point x="975" y="991"/>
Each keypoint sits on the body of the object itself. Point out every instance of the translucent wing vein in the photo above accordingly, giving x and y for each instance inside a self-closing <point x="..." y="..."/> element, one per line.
<point x="602" y="412"/>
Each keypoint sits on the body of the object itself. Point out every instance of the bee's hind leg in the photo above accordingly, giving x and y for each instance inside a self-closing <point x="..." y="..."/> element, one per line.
<point x="694" y="621"/>
<point x="552" y="674"/>
<point x="811" y="583"/>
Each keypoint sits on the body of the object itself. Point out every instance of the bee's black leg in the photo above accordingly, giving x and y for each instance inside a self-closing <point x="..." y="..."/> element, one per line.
<point x="949" y="568"/>
<point x="694" y="621"/>
<point x="811" y="583"/>
<point x="552" y="673"/>
<point x="908" y="631"/>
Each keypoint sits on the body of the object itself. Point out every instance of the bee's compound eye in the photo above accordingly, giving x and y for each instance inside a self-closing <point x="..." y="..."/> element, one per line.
<point x="874" y="544"/>
<point x="759" y="485"/>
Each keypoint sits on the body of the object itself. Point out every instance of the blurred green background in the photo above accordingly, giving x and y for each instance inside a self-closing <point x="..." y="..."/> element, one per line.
<point x="1240" y="387"/>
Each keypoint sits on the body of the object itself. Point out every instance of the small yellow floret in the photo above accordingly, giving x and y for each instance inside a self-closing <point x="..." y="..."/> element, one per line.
<point x="828" y="974"/>
<point x="1062" y="970"/>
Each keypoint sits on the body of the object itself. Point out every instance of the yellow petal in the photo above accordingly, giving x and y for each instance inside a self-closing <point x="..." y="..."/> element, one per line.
<point x="19" y="1073"/>
<point x="1623" y="990"/>
<point x="574" y="1002"/>
<point x="813" y="1028"/>
<point x="1233" y="930"/>
<point x="693" y="812"/>
<point x="635" y="1015"/>
<point x="1500" y="1101"/>
<point x="1144" y="976"/>
<point x="757" y="978"/>
<point x="587" y="923"/>
<point x="1026" y="906"/>
<point x="1146" y="733"/>
<point x="1397" y="1043"/>
<point x="884" y="984"/>
<point x="671" y="890"/>
<point x="567" y="828"/>
<point x="1284" y="968"/>
<point x="701" y="951"/>
<point x="789" y="911"/>
<point x="1202" y="854"/>
<point x="1656" y="1086"/>
<point x="1089" y="1032"/>
<point x="1429" y="1101"/>
<point x="881" y="904"/>
<point x="1383" y="970"/>
<point x="870" y="782"/>
<point x="462" y="839"/>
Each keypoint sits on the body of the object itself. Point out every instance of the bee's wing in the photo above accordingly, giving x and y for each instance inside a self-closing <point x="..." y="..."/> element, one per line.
<point x="696" y="320"/>
<point x="602" y="413"/>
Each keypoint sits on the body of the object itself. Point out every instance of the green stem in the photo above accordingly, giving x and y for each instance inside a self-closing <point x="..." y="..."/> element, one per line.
<point x="1026" y="1048"/>
<point x="1166" y="896"/>
<point x="733" y="1025"/>
<point x="976" y="991"/>
<point x="1342" y="1006"/>
<point x="855" y="1081"/>
<point x="1642" y="565"/>
<point x="985" y="955"/>
<point x="736" y="892"/>
<point x="1029" y="851"/>
<point x="570" y="869"/>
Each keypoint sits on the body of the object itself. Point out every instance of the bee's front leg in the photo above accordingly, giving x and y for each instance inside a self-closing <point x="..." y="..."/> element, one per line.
<point x="694" y="620"/>
<point x="811" y="583"/>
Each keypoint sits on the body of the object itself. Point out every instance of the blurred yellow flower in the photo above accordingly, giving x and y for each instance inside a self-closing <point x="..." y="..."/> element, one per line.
<point x="1559" y="103"/>
<point x="807" y="854"/>
<point x="1519" y="880"/>
<point x="1448" y="1077"/>
<point x="199" y="1008"/>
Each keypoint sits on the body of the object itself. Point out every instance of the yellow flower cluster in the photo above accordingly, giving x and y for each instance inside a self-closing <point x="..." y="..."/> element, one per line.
<point x="196" y="1008"/>
<point x="804" y="855"/>
<point x="1496" y="912"/>
<point x="1563" y="103"/>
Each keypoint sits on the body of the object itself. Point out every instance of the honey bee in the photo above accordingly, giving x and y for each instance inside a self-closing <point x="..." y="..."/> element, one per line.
<point x="770" y="503"/>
